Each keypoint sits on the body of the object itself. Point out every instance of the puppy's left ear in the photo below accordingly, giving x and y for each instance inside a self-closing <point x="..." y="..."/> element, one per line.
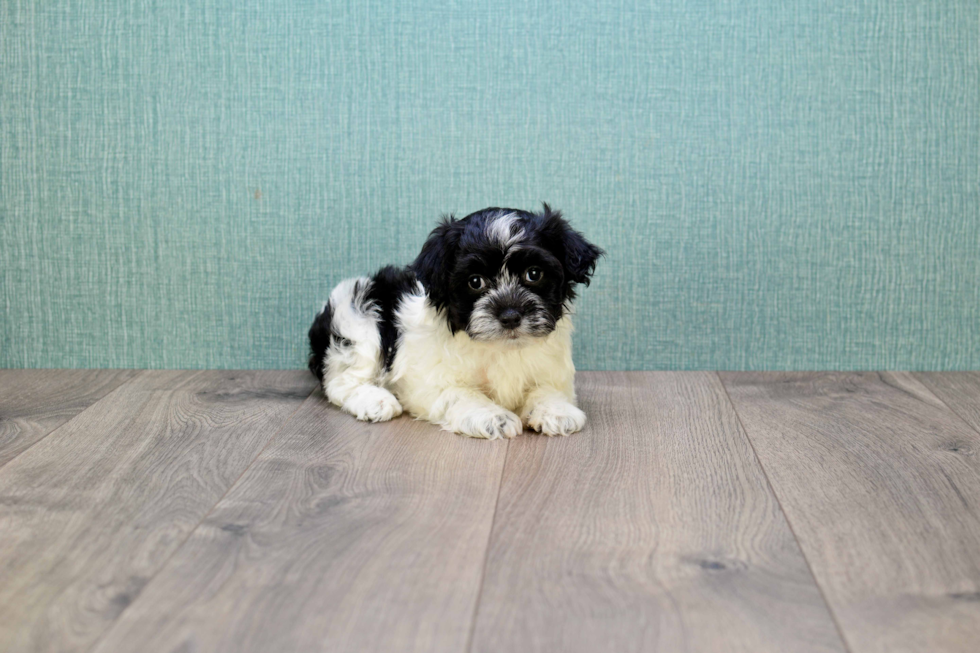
<point x="580" y="255"/>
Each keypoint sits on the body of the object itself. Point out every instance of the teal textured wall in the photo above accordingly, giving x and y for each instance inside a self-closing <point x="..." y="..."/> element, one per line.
<point x="779" y="184"/>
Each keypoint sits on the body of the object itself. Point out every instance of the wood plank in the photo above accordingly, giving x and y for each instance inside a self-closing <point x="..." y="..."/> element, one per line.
<point x="89" y="514"/>
<point x="343" y="536"/>
<point x="958" y="390"/>
<point x="881" y="483"/>
<point x="35" y="402"/>
<point x="652" y="530"/>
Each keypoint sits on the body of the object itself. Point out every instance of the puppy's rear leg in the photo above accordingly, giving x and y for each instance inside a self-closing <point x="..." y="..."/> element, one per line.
<point x="352" y="363"/>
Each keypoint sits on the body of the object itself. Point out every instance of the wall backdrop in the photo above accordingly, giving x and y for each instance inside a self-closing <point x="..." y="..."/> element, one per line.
<point x="779" y="184"/>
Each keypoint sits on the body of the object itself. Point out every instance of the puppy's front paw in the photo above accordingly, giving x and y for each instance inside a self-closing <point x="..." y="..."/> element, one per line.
<point x="556" y="418"/>
<point x="369" y="403"/>
<point x="490" y="423"/>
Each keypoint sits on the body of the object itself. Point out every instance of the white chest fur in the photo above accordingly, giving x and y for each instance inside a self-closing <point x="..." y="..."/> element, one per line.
<point x="430" y="359"/>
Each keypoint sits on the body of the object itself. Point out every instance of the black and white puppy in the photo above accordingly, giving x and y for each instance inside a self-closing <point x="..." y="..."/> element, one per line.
<point x="475" y="335"/>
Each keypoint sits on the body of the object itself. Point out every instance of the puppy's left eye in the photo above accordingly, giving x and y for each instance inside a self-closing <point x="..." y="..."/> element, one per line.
<point x="533" y="275"/>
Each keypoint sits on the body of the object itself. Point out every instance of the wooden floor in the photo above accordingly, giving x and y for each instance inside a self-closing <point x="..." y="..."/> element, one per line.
<point x="239" y="512"/>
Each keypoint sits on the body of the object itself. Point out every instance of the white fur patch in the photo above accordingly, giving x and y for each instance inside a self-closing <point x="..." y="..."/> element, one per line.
<point x="476" y="388"/>
<point x="504" y="231"/>
<point x="353" y="360"/>
<point x="369" y="403"/>
<point x="483" y="419"/>
<point x="433" y="366"/>
<point x="554" y="416"/>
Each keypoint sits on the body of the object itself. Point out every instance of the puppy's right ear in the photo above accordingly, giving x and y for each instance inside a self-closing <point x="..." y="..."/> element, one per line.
<point x="436" y="261"/>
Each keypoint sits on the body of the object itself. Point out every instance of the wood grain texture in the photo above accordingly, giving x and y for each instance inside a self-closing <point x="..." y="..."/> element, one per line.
<point x="35" y="402"/>
<point x="343" y="536"/>
<point x="958" y="390"/>
<point x="881" y="483"/>
<point x="652" y="530"/>
<point x="89" y="514"/>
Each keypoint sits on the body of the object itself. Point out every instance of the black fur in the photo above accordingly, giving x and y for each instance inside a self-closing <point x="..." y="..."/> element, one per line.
<point x="578" y="255"/>
<point x="319" y="341"/>
<point x="389" y="285"/>
<point x="457" y="249"/>
<point x="437" y="259"/>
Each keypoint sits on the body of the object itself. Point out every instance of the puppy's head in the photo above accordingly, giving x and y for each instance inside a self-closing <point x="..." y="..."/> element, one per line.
<point x="504" y="274"/>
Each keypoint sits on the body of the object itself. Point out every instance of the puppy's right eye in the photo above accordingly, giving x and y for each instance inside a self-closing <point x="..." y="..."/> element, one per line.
<point x="477" y="282"/>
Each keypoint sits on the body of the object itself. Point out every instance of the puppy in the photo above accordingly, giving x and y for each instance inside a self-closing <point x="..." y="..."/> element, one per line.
<point x="475" y="335"/>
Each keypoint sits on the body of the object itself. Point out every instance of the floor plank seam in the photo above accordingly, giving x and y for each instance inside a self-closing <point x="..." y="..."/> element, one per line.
<point x="191" y="532"/>
<point x="789" y="523"/>
<point x="486" y="552"/>
<point x="119" y="387"/>
<point x="944" y="403"/>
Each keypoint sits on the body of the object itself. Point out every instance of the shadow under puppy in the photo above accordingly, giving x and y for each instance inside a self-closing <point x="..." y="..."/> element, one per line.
<point x="475" y="335"/>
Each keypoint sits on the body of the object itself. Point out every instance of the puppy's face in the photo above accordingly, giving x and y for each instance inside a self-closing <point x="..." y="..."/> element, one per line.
<point x="505" y="275"/>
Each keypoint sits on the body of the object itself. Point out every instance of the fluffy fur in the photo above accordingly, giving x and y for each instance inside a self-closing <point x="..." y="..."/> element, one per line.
<point x="475" y="335"/>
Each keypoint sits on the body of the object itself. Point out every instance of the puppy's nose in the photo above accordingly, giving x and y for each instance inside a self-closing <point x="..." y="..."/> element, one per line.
<point x="510" y="318"/>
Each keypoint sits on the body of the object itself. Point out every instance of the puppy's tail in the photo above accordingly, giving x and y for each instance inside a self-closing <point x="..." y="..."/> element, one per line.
<point x="320" y="340"/>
